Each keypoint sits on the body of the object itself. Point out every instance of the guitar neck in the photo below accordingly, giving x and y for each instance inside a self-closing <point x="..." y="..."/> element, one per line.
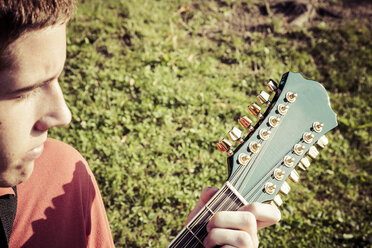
<point x="192" y="235"/>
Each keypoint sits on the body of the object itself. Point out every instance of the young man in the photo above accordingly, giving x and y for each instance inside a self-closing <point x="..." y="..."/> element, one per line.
<point x="48" y="195"/>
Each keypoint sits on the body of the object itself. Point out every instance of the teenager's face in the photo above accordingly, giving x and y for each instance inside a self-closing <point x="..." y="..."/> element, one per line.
<point x="31" y="101"/>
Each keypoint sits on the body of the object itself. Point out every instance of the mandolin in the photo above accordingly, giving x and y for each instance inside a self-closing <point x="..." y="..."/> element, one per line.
<point x="287" y="134"/>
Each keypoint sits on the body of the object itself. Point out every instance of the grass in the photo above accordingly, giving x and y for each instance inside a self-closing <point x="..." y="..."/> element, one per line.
<point x="153" y="85"/>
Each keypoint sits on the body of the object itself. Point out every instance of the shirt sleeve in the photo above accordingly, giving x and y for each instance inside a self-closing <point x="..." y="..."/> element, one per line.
<point x="97" y="225"/>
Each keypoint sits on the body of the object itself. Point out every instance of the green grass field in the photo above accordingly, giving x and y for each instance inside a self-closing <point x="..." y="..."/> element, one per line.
<point x="153" y="85"/>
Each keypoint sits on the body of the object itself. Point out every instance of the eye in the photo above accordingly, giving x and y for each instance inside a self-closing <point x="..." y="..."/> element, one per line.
<point x="23" y="96"/>
<point x="27" y="95"/>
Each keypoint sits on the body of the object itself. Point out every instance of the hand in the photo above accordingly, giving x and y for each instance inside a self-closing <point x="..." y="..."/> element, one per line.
<point x="238" y="229"/>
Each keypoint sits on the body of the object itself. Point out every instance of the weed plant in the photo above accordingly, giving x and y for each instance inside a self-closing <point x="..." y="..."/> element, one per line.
<point x="153" y="85"/>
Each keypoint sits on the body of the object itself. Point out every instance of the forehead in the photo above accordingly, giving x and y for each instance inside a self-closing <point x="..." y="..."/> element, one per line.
<point x="36" y="55"/>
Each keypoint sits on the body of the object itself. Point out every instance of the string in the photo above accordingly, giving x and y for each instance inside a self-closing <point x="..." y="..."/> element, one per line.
<point x="241" y="173"/>
<point x="249" y="170"/>
<point x="229" y="202"/>
<point x="221" y="205"/>
<point x="256" y="190"/>
<point x="198" y="220"/>
<point x="199" y="217"/>
<point x="265" y="146"/>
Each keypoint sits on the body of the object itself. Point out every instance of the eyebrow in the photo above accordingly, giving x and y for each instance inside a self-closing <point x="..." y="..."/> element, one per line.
<point x="11" y="93"/>
<point x="32" y="87"/>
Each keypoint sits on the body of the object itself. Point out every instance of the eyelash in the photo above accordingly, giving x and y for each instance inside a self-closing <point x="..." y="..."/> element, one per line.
<point x="27" y="95"/>
<point x="24" y="96"/>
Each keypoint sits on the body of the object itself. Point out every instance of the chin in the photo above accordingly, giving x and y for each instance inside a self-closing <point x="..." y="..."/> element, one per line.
<point x="16" y="175"/>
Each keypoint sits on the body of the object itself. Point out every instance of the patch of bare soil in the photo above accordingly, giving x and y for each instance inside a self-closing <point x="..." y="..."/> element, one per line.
<point x="262" y="16"/>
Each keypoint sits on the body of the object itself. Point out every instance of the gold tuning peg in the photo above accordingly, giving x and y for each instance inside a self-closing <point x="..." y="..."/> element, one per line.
<point x="288" y="161"/>
<point x="285" y="188"/>
<point x="254" y="147"/>
<point x="264" y="134"/>
<point x="294" y="176"/>
<point x="225" y="146"/>
<point x="245" y="122"/>
<point x="278" y="174"/>
<point x="254" y="109"/>
<point x="322" y="142"/>
<point x="318" y="127"/>
<point x="235" y="135"/>
<point x="272" y="86"/>
<point x="274" y="121"/>
<point x="270" y="188"/>
<point x="299" y="149"/>
<point x="313" y="152"/>
<point x="283" y="109"/>
<point x="243" y="158"/>
<point x="290" y="96"/>
<point x="263" y="98"/>
<point x="308" y="137"/>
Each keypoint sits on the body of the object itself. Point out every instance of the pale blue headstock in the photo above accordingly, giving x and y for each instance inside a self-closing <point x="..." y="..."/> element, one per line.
<point x="256" y="179"/>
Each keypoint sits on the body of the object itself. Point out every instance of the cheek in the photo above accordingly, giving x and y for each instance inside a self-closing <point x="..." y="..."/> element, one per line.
<point x="15" y="128"/>
<point x="15" y="141"/>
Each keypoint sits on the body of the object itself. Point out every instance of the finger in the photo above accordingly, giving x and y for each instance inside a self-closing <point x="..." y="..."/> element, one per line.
<point x="236" y="220"/>
<point x="206" y="194"/>
<point x="228" y="246"/>
<point x="229" y="238"/>
<point x="266" y="214"/>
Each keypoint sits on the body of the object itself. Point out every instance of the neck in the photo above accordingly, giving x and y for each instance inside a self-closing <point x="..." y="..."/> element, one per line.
<point x="192" y="235"/>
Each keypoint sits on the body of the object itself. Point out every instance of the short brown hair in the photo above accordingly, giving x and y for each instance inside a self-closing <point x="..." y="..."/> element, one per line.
<point x="20" y="16"/>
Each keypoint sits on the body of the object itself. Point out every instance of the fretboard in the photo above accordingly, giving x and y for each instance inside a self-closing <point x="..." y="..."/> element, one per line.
<point x="192" y="236"/>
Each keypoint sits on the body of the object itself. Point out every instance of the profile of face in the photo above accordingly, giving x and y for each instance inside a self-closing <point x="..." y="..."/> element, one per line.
<point x="31" y="100"/>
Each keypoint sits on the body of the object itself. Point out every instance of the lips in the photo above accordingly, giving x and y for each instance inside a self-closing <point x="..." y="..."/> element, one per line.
<point x="34" y="153"/>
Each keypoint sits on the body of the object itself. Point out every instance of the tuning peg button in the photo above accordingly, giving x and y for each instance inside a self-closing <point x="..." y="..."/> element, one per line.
<point x="322" y="142"/>
<point x="246" y="123"/>
<point x="299" y="165"/>
<point x="254" y="109"/>
<point x="294" y="176"/>
<point x="271" y="85"/>
<point x="225" y="146"/>
<point x="285" y="188"/>
<point x="313" y="152"/>
<point x="235" y="135"/>
<point x="277" y="201"/>
<point x="263" y="98"/>
<point x="304" y="164"/>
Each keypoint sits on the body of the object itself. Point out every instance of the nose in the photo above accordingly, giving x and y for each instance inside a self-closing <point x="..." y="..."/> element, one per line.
<point x="55" y="111"/>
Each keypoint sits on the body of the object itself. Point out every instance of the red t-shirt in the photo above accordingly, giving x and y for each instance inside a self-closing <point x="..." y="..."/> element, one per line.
<point x="60" y="204"/>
